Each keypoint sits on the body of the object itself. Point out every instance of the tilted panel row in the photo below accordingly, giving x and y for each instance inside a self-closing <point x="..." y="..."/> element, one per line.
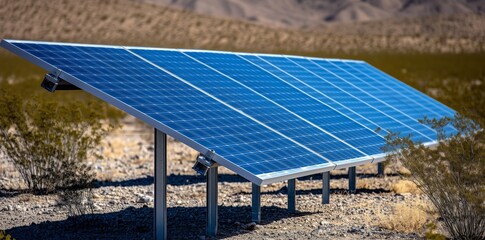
<point x="266" y="117"/>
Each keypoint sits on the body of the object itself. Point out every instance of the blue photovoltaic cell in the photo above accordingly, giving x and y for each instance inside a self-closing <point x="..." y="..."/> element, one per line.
<point x="254" y="105"/>
<point x="369" y="85"/>
<point x="402" y="89"/>
<point x="267" y="117"/>
<point x="421" y="104"/>
<point x="310" y="90"/>
<point x="344" y="80"/>
<point x="395" y="93"/>
<point x="326" y="83"/>
<point x="297" y="102"/>
<point x="123" y="76"/>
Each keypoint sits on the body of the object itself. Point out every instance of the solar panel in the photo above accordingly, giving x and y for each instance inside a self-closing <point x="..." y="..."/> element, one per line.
<point x="297" y="79"/>
<point x="246" y="100"/>
<point x="380" y="102"/>
<point x="124" y="80"/>
<point x="299" y="102"/>
<point x="386" y="82"/>
<point x="242" y="75"/>
<point x="378" y="83"/>
<point x="266" y="117"/>
<point x="313" y="73"/>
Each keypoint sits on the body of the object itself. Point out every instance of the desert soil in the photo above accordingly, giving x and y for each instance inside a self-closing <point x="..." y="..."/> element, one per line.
<point x="123" y="200"/>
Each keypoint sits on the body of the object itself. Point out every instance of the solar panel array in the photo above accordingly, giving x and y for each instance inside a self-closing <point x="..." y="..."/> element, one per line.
<point x="266" y="117"/>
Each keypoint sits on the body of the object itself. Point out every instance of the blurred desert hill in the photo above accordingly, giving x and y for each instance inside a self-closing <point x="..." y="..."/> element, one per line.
<point x="314" y="13"/>
<point x="133" y="22"/>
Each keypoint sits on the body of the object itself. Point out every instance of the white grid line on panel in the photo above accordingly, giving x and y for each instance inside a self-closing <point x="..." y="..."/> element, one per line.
<point x="387" y="87"/>
<point x="296" y="115"/>
<point x="318" y="92"/>
<point x="418" y="93"/>
<point x="360" y="99"/>
<point x="370" y="94"/>
<point x="230" y="106"/>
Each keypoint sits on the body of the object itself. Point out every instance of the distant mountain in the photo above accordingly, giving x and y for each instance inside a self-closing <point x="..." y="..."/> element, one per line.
<point x="313" y="13"/>
<point x="129" y="22"/>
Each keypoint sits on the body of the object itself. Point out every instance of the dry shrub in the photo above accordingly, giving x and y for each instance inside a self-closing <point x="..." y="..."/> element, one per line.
<point x="396" y="167"/>
<point x="431" y="233"/>
<point x="404" y="171"/>
<point x="77" y="202"/>
<point x="49" y="143"/>
<point x="404" y="218"/>
<point x="405" y="186"/>
<point x="450" y="174"/>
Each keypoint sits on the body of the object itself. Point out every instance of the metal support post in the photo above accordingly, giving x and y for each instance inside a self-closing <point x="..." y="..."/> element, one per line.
<point x="160" y="173"/>
<point x="212" y="201"/>
<point x="292" y="195"/>
<point x="380" y="169"/>
<point x="256" y="204"/>
<point x="352" y="179"/>
<point x="326" y="188"/>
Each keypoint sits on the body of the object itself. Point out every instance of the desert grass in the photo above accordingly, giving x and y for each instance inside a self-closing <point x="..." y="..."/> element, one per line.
<point x="405" y="186"/>
<point x="406" y="218"/>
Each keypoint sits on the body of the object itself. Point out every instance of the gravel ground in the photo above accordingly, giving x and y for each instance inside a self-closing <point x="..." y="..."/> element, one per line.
<point x="123" y="201"/>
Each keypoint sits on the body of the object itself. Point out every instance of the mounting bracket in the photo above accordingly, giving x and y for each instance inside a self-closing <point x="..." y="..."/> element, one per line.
<point x="53" y="82"/>
<point x="203" y="163"/>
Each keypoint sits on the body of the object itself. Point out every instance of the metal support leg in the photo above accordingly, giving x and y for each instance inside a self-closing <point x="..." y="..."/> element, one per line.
<point x="326" y="188"/>
<point x="160" y="168"/>
<point x="292" y="195"/>
<point x="212" y="201"/>
<point x="352" y="179"/>
<point x="380" y="169"/>
<point x="256" y="204"/>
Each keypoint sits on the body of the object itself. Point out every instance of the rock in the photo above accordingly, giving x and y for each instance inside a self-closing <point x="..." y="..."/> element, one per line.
<point x="239" y="199"/>
<point x="353" y="230"/>
<point x="144" y="199"/>
<point x="97" y="208"/>
<point x="99" y="168"/>
<point x="7" y="208"/>
<point x="250" y="226"/>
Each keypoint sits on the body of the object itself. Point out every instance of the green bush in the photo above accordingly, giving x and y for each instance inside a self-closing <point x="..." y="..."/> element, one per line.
<point x="450" y="174"/>
<point x="430" y="233"/>
<point x="49" y="142"/>
<point x="5" y="236"/>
